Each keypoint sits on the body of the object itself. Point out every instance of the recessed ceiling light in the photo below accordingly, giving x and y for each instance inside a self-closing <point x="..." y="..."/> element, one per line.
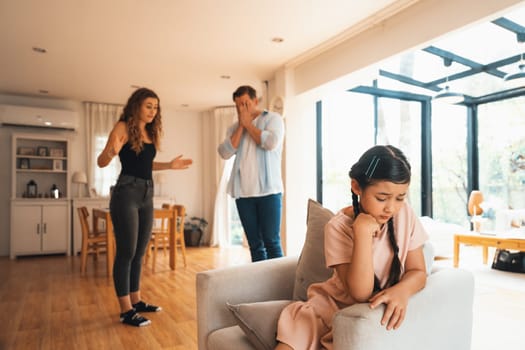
<point x="39" y="49"/>
<point x="277" y="39"/>
<point x="225" y="77"/>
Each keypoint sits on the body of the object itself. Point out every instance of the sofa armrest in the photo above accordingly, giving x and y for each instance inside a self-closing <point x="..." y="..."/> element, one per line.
<point x="261" y="281"/>
<point x="438" y="317"/>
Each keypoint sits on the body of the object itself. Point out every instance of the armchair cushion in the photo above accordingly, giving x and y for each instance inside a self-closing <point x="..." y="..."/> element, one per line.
<point x="263" y="280"/>
<point x="311" y="267"/>
<point x="259" y="321"/>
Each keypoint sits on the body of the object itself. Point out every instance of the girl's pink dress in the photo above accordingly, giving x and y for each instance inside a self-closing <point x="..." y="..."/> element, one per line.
<point x="308" y="325"/>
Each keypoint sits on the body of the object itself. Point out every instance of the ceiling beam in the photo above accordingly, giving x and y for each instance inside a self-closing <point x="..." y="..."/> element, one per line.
<point x="401" y="95"/>
<point x="408" y="80"/>
<point x="514" y="27"/>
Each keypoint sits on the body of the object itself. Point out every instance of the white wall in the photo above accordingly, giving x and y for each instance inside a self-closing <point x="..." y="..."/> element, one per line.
<point x="182" y="135"/>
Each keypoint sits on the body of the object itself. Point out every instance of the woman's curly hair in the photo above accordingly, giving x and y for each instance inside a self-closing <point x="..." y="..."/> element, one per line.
<point x="131" y="114"/>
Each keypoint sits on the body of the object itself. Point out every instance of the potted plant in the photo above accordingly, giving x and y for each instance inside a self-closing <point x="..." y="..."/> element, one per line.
<point x="193" y="230"/>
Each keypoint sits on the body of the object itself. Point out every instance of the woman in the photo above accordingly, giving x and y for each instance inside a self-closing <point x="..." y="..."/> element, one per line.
<point x="135" y="138"/>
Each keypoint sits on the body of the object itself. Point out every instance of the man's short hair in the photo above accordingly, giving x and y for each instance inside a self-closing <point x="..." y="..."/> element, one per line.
<point x="245" y="89"/>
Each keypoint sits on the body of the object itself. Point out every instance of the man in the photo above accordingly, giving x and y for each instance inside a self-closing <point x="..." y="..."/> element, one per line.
<point x="256" y="139"/>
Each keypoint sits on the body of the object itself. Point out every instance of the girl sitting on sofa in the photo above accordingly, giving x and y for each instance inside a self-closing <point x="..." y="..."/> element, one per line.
<point x="375" y="249"/>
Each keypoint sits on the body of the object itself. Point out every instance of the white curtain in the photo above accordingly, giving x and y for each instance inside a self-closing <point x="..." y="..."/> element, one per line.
<point x="215" y="126"/>
<point x="221" y="234"/>
<point x="100" y="119"/>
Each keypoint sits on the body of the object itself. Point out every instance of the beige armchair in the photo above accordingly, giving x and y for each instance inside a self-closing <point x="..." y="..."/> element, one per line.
<point x="438" y="317"/>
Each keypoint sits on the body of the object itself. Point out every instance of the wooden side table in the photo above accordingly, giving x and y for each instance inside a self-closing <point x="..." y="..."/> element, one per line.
<point x="486" y="241"/>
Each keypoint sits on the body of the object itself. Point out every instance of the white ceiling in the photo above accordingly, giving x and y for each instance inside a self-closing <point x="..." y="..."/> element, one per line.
<point x="97" y="49"/>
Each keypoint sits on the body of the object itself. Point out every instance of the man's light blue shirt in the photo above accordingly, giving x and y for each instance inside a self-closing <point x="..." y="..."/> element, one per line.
<point x="268" y="155"/>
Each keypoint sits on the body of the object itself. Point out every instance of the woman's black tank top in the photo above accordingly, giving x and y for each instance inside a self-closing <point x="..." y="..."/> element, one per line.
<point x="138" y="165"/>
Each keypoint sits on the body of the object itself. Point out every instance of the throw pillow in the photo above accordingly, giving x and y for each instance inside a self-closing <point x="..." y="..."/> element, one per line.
<point x="259" y="321"/>
<point x="311" y="267"/>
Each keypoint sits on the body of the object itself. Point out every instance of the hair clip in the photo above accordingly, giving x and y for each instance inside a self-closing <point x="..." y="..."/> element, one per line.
<point x="372" y="166"/>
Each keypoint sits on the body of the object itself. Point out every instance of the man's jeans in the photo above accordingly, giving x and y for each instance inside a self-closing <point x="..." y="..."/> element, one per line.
<point x="261" y="220"/>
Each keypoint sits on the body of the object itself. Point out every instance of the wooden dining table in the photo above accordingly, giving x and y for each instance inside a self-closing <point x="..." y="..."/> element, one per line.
<point x="103" y="214"/>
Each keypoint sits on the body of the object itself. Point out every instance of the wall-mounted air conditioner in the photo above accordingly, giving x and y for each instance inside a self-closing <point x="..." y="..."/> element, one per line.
<point x="36" y="117"/>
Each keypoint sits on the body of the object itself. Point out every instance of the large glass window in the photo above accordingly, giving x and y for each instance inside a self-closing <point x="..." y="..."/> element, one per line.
<point x="501" y="145"/>
<point x="399" y="124"/>
<point x="453" y="62"/>
<point x="348" y="131"/>
<point x="449" y="163"/>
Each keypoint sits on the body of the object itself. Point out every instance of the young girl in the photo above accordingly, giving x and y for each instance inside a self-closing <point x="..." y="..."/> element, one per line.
<point x="375" y="249"/>
<point x="135" y="139"/>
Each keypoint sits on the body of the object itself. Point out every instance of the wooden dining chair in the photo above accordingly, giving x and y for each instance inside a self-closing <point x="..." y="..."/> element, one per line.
<point x="180" y="214"/>
<point x="91" y="243"/>
<point x="160" y="233"/>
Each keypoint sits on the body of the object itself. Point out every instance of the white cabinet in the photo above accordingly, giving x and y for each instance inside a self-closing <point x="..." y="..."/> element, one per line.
<point x="39" y="227"/>
<point x="89" y="203"/>
<point x="40" y="216"/>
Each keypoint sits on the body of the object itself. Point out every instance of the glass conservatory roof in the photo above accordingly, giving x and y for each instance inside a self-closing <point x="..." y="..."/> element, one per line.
<point x="473" y="61"/>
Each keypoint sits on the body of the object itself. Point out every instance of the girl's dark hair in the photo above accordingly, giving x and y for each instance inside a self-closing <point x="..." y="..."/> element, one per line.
<point x="130" y="115"/>
<point x="382" y="163"/>
<point x="244" y="89"/>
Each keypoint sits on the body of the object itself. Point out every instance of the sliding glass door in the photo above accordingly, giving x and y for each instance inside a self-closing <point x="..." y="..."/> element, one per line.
<point x="449" y="163"/>
<point x="501" y="144"/>
<point x="348" y="130"/>
<point x="351" y="124"/>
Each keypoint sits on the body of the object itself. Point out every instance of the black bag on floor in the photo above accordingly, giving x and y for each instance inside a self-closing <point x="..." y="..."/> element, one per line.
<point x="506" y="261"/>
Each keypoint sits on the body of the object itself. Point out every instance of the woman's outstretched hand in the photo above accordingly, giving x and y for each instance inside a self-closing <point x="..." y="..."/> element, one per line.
<point x="180" y="163"/>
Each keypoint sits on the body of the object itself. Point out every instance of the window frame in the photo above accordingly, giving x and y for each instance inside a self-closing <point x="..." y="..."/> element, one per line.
<point x="471" y="105"/>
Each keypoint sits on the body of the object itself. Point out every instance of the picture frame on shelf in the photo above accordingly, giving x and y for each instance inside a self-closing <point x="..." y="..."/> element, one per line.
<point x="26" y="151"/>
<point x="42" y="151"/>
<point x="56" y="152"/>
<point x="24" y="163"/>
<point x="58" y="165"/>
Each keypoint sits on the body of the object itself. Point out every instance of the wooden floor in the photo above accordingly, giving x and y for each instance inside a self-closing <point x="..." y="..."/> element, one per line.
<point x="46" y="304"/>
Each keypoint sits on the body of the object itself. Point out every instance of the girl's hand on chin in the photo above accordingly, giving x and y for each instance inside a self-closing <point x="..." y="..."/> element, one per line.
<point x="366" y="224"/>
